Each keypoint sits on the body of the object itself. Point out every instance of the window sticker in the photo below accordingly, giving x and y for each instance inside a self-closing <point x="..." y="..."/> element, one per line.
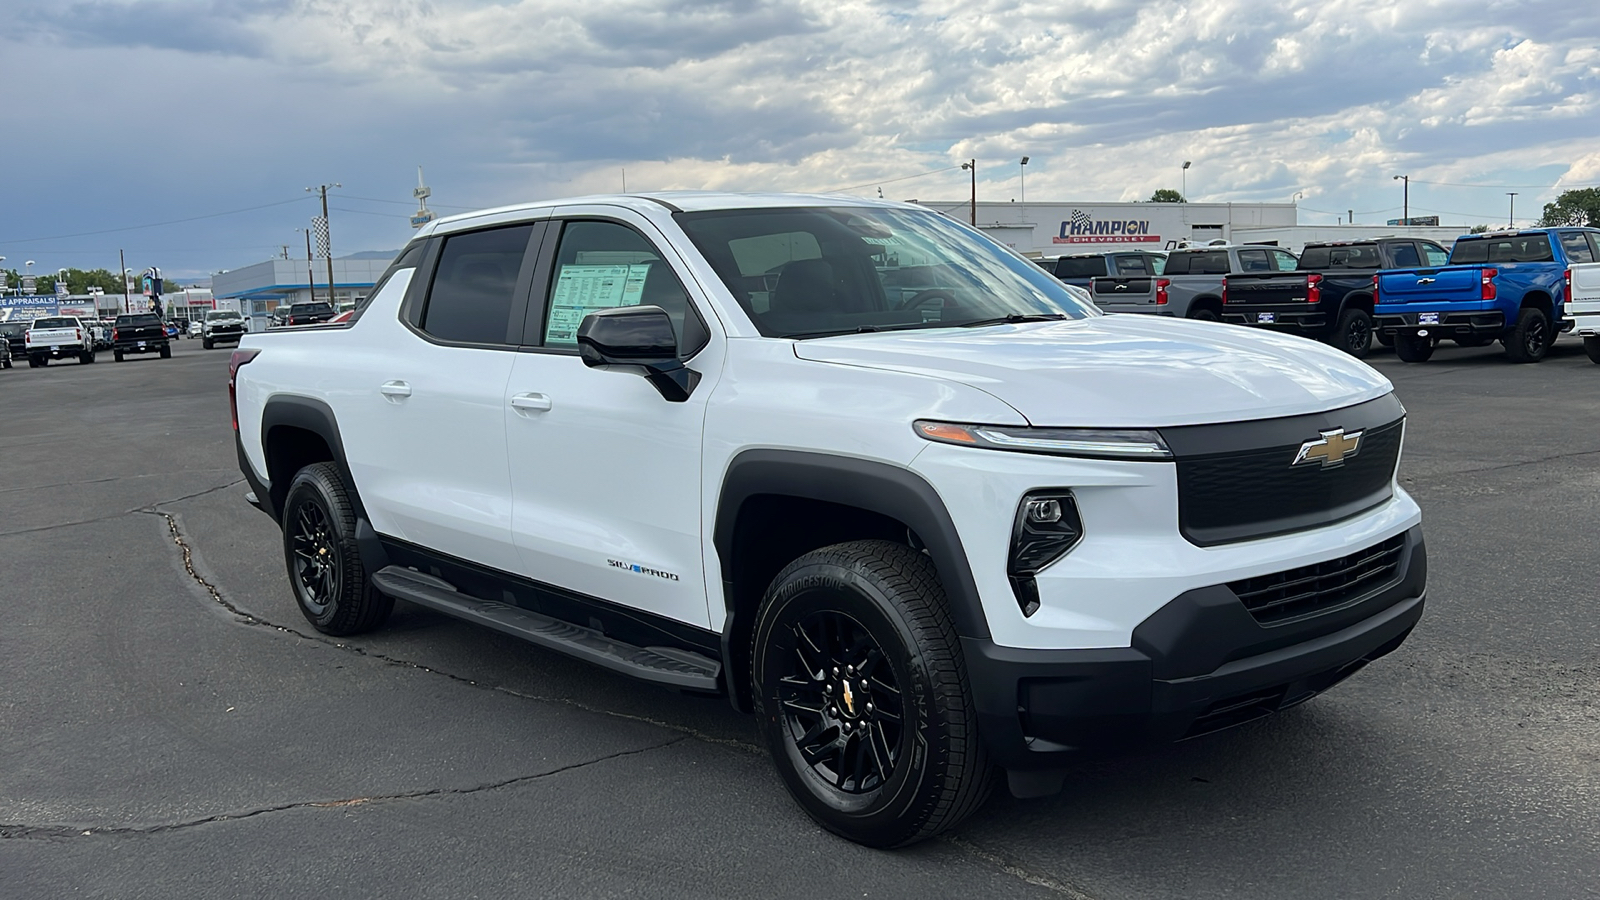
<point x="581" y="290"/>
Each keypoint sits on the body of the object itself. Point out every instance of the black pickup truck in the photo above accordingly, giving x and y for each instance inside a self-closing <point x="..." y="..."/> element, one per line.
<point x="1083" y="268"/>
<point x="1329" y="295"/>
<point x="140" y="333"/>
<point x="308" y="314"/>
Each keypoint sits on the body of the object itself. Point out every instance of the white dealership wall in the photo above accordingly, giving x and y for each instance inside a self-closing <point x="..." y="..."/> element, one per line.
<point x="1053" y="228"/>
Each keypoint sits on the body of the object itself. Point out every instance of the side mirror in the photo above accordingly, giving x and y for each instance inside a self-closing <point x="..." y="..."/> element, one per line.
<point x="641" y="339"/>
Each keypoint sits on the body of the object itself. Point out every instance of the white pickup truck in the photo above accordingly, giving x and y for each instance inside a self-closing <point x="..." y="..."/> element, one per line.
<point x="57" y="337"/>
<point x="1583" y="305"/>
<point x="711" y="441"/>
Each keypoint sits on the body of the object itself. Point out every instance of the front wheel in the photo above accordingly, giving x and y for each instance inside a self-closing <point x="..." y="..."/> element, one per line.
<point x="1591" y="346"/>
<point x="1530" y="340"/>
<point x="862" y="695"/>
<point x="330" y="584"/>
<point x="206" y="343"/>
<point x="1413" y="348"/>
<point x="1354" y="333"/>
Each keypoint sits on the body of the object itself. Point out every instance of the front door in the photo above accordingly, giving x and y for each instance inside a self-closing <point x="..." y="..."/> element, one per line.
<point x="605" y="472"/>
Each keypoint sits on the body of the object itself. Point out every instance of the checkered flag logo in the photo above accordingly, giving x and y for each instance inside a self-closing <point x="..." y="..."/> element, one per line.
<point x="1081" y="221"/>
<point x="319" y="227"/>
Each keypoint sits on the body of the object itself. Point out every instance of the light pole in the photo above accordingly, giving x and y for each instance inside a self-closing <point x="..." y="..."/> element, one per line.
<point x="972" y="164"/>
<point x="27" y="274"/>
<point x="1405" y="209"/>
<point x="328" y="231"/>
<point x="311" y="280"/>
<point x="1183" y="174"/>
<point x="1023" y="168"/>
<point x="1511" y="219"/>
<point x="127" y="301"/>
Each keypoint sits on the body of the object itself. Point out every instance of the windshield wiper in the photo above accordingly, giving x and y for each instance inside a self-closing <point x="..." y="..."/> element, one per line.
<point x="1015" y="318"/>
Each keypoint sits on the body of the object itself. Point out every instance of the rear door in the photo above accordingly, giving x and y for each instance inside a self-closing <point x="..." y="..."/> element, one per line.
<point x="427" y="408"/>
<point x="605" y="471"/>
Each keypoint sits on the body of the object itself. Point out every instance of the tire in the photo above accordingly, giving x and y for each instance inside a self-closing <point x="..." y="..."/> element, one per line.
<point x="330" y="585"/>
<point x="38" y="362"/>
<point x="1530" y="340"/>
<point x="1353" y="334"/>
<point x="116" y="355"/>
<point x="880" y="606"/>
<point x="1204" y="314"/>
<point x="206" y="343"/>
<point x="166" y="351"/>
<point x="1475" y="340"/>
<point x="1411" y="348"/>
<point x="85" y="358"/>
<point x="1591" y="346"/>
<point x="1385" y="339"/>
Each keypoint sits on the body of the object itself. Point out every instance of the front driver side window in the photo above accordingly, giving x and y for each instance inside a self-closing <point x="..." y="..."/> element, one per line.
<point x="600" y="265"/>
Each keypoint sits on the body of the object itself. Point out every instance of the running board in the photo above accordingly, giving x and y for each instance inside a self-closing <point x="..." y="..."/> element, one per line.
<point x="663" y="665"/>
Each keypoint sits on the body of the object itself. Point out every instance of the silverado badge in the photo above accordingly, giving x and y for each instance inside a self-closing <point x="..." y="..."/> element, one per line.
<point x="1332" y="449"/>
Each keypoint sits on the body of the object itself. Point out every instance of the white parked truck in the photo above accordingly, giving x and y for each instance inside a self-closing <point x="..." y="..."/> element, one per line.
<point x="876" y="478"/>
<point x="1583" y="304"/>
<point x="58" y="337"/>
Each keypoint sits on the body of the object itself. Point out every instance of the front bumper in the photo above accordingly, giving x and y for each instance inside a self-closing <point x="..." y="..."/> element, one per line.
<point x="1199" y="664"/>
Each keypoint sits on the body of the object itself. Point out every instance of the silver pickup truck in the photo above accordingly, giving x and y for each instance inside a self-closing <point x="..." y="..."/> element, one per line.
<point x="1191" y="285"/>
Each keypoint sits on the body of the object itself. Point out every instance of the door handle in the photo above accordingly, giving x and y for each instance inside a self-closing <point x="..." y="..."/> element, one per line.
<point x="395" y="389"/>
<point x="530" y="402"/>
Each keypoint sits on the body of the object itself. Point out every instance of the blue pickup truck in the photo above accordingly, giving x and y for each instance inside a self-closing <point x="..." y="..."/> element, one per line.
<point x="1509" y="286"/>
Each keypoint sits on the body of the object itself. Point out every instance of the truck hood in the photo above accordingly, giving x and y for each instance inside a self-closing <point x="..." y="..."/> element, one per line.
<point x="1121" y="371"/>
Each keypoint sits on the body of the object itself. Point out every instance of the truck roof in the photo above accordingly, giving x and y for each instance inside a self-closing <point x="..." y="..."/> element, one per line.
<point x="653" y="201"/>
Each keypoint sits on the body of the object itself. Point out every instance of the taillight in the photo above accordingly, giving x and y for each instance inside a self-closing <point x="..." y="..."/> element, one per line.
<point x="1374" y="290"/>
<point x="1566" y="295"/>
<point x="78" y="333"/>
<point x="1489" y="276"/>
<point x="1161" y="290"/>
<point x="240" y="356"/>
<point x="115" y="333"/>
<point x="1313" y="288"/>
<point x="1224" y="290"/>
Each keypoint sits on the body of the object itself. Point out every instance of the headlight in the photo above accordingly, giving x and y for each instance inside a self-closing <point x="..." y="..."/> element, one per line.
<point x="1095" y="443"/>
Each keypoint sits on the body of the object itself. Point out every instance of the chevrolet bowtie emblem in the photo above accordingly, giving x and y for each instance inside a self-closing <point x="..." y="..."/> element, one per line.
<point x="1332" y="449"/>
<point x="849" y="699"/>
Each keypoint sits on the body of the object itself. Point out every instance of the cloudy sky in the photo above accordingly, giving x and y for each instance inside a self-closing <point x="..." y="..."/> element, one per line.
<point x="184" y="131"/>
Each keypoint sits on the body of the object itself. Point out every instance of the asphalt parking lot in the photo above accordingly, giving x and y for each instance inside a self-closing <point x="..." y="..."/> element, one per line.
<point x="171" y="726"/>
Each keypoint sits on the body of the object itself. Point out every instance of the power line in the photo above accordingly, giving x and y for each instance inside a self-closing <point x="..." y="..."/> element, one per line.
<point x="856" y="187"/>
<point x="405" y="202"/>
<point x="231" y="212"/>
<point x="1526" y="186"/>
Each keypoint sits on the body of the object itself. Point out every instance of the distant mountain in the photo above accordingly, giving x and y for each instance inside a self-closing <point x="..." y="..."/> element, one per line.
<point x="372" y="254"/>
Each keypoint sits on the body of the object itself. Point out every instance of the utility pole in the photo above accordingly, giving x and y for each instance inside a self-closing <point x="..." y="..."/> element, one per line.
<point x="327" y="229"/>
<point x="972" y="165"/>
<point x="123" y="268"/>
<point x="1405" y="210"/>
<point x="1511" y="221"/>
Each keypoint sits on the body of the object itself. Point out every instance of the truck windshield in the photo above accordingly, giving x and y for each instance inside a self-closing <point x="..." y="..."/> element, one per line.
<point x="810" y="272"/>
<point x="1515" y="248"/>
<point x="1347" y="256"/>
<point x="218" y="316"/>
<point x="55" y="323"/>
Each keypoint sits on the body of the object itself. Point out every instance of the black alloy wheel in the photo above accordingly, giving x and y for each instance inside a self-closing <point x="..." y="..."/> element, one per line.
<point x="840" y="704"/>
<point x="1413" y="348"/>
<point x="1354" y="333"/>
<point x="1530" y="340"/>
<point x="862" y="695"/>
<point x="331" y="586"/>
<point x="1204" y="314"/>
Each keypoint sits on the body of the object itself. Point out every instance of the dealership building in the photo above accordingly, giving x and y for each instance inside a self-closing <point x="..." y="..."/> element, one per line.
<point x="261" y="288"/>
<point x="1051" y="229"/>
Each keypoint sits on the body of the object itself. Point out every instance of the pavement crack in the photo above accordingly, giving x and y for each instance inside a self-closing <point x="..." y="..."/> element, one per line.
<point x="1015" y="870"/>
<point x="248" y="618"/>
<point x="1496" y="468"/>
<point x="155" y="507"/>
<point x="63" y="832"/>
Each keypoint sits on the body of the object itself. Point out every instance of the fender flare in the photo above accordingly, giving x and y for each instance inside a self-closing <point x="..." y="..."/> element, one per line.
<point x="315" y="416"/>
<point x="889" y="490"/>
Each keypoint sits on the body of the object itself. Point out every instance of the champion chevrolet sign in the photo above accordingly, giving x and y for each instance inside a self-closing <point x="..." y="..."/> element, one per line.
<point x="1083" y="228"/>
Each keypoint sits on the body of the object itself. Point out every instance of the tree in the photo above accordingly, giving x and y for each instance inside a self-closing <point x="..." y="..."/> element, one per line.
<point x="1576" y="207"/>
<point x="1478" y="229"/>
<point x="1167" y="195"/>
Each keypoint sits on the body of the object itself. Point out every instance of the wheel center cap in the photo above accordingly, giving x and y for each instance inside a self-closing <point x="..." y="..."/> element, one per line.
<point x="849" y="699"/>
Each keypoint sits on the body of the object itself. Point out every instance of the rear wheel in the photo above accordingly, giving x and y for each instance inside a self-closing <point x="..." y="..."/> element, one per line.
<point x="166" y="351"/>
<point x="330" y="584"/>
<point x="116" y="355"/>
<point x="1591" y="346"/>
<point x="1412" y="348"/>
<point x="38" y="362"/>
<point x="1204" y="314"/>
<point x="1530" y="340"/>
<point x="85" y="357"/>
<point x="1354" y="333"/>
<point x="1385" y="339"/>
<point x="862" y="695"/>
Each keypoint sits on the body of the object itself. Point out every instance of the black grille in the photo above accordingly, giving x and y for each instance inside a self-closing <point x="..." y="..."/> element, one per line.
<point x="1322" y="586"/>
<point x="1255" y="493"/>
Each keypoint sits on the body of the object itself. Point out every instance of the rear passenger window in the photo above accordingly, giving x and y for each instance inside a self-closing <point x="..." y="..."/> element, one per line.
<point x="474" y="286"/>
<point x="1254" y="261"/>
<point x="1406" y="256"/>
<point x="1131" y="265"/>
<point x="1436" y="254"/>
<point x="600" y="265"/>
<point x="1576" y="246"/>
<point x="1285" y="259"/>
